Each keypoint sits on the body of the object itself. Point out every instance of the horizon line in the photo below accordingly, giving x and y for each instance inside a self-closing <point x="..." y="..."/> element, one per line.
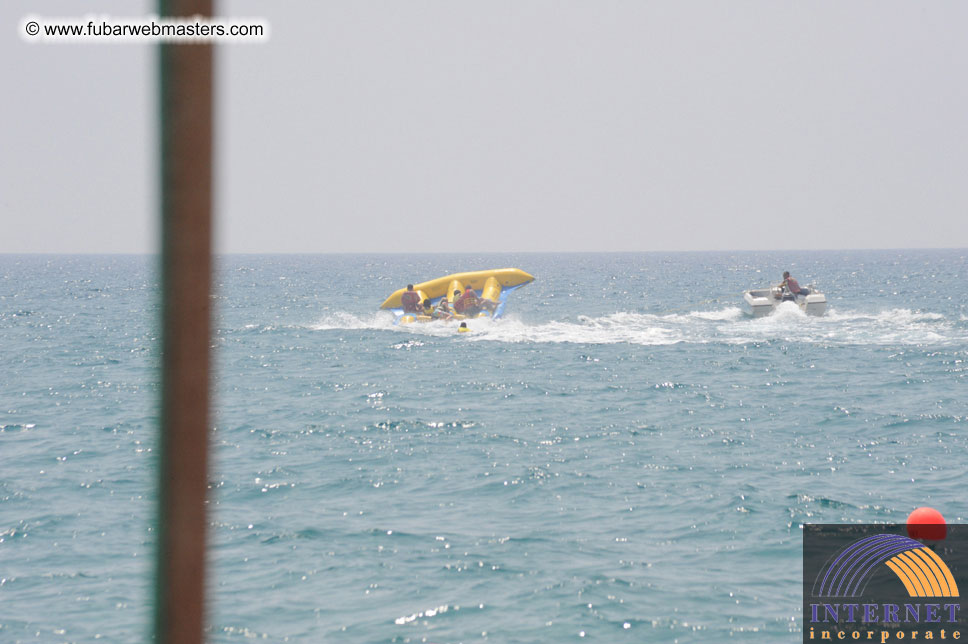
<point x="490" y="252"/>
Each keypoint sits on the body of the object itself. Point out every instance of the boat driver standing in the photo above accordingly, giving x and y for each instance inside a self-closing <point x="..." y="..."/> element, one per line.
<point x="792" y="285"/>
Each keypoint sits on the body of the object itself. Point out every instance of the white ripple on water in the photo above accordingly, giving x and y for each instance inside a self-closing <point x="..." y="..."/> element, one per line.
<point x="727" y="325"/>
<point x="430" y="612"/>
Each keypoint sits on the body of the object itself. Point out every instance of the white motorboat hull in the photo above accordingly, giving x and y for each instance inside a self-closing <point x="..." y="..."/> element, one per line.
<point x="764" y="301"/>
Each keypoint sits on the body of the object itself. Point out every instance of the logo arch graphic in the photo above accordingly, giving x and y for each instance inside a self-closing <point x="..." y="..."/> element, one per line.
<point x="922" y="572"/>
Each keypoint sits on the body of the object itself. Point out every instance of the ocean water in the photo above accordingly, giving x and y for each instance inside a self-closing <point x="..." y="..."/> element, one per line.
<point x="627" y="457"/>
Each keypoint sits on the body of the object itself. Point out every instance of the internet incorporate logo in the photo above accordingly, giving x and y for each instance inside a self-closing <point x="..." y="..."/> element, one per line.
<point x="870" y="583"/>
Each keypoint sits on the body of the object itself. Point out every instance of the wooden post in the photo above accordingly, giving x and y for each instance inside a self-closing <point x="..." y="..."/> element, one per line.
<point x="186" y="204"/>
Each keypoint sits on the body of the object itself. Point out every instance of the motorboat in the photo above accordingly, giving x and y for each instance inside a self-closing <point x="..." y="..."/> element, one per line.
<point x="763" y="301"/>
<point x="493" y="286"/>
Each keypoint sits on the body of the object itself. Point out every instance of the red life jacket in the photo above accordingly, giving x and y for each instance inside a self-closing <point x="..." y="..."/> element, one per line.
<point x="410" y="301"/>
<point x="466" y="299"/>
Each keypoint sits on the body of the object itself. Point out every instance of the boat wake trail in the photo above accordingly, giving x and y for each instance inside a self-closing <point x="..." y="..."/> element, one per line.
<point x="728" y="325"/>
<point x="339" y="320"/>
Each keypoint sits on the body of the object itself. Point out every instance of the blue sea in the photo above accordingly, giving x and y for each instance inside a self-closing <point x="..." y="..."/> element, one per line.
<point x="625" y="457"/>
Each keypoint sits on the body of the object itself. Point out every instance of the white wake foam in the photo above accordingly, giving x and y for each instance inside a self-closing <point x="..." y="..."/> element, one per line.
<point x="729" y="325"/>
<point x="340" y="320"/>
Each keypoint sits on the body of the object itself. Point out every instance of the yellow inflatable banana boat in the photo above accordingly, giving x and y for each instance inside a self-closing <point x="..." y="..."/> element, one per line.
<point x="492" y="286"/>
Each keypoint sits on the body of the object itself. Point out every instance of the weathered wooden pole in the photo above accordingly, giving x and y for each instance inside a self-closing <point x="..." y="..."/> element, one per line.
<point x="186" y="205"/>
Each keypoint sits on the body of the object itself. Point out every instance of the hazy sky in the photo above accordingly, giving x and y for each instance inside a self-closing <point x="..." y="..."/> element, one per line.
<point x="518" y="125"/>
